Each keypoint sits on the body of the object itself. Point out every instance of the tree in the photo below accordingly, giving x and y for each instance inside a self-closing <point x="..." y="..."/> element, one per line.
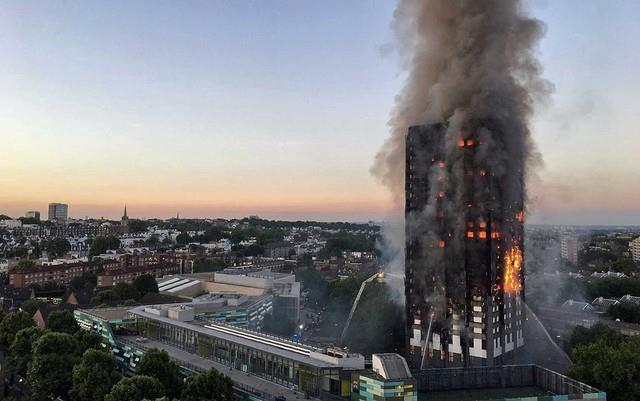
<point x="50" y="370"/>
<point x="313" y="281"/>
<point x="146" y="283"/>
<point x="94" y="376"/>
<point x="156" y="363"/>
<point x="100" y="245"/>
<point x="88" y="340"/>
<point x="62" y="321"/>
<point x="210" y="385"/>
<point x="306" y="260"/>
<point x="107" y="297"/>
<point x="212" y="234"/>
<point x="612" y="368"/>
<point x="626" y="312"/>
<point x="136" y="388"/>
<point x="344" y="241"/>
<point x="21" y="349"/>
<point x="11" y="324"/>
<point x="585" y="336"/>
<point x="270" y="235"/>
<point x="30" y="306"/>
<point x="58" y="247"/>
<point x="26" y="264"/>
<point x="183" y="238"/>
<point x="202" y="264"/>
<point x="137" y="226"/>
<point x="125" y="291"/>
<point x="87" y="281"/>
<point x="152" y="241"/>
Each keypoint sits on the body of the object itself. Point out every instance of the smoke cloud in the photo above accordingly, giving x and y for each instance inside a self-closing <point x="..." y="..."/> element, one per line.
<point x="467" y="61"/>
<point x="464" y="58"/>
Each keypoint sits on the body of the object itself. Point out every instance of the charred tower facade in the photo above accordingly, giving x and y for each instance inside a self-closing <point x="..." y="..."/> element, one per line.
<point x="464" y="278"/>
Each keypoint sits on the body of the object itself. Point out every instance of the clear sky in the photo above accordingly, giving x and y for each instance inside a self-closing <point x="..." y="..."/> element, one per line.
<point x="276" y="108"/>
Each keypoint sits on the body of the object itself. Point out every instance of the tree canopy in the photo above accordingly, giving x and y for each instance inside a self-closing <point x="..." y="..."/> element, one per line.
<point x="210" y="385"/>
<point x="344" y="241"/>
<point x="62" y="321"/>
<point x="611" y="368"/>
<point x="94" y="376"/>
<point x="146" y="283"/>
<point x="26" y="264"/>
<point x="20" y="352"/>
<point x="183" y="238"/>
<point x="50" y="370"/>
<point x="136" y="388"/>
<point x="100" y="245"/>
<point x="57" y="247"/>
<point x="156" y="363"/>
<point x="11" y="324"/>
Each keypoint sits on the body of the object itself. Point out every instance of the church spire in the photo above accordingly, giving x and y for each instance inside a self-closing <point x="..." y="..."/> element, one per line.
<point x="124" y="222"/>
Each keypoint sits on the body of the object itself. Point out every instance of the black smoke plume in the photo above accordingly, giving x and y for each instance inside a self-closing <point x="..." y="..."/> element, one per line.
<point x="471" y="65"/>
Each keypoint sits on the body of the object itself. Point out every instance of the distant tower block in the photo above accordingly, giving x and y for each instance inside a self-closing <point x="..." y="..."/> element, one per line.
<point x="464" y="282"/>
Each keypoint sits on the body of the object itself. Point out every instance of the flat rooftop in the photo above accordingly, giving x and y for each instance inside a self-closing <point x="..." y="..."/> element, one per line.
<point x="260" y="341"/>
<point x="110" y="314"/>
<point x="482" y="394"/>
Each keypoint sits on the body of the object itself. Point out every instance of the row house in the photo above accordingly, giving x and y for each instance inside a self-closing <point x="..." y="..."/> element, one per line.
<point x="61" y="273"/>
<point x="110" y="278"/>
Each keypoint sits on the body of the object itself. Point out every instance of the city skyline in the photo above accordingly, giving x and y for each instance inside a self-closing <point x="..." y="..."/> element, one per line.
<point x="181" y="111"/>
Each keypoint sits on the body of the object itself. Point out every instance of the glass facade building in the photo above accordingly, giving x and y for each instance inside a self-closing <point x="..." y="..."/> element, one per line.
<point x="108" y="323"/>
<point x="280" y="361"/>
<point x="295" y="371"/>
<point x="370" y="387"/>
<point x="250" y="315"/>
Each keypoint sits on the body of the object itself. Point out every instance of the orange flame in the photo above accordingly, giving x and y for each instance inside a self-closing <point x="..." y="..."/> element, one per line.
<point x="520" y="216"/>
<point x="512" y="270"/>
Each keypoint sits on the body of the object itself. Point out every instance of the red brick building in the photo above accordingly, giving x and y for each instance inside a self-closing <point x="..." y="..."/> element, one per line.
<point x="109" y="278"/>
<point x="61" y="274"/>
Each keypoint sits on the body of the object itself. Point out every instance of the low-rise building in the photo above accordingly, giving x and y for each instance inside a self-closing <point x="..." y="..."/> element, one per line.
<point x="109" y="278"/>
<point x="602" y="304"/>
<point x="260" y="359"/>
<point x="280" y="249"/>
<point x="388" y="380"/>
<point x="245" y="280"/>
<point x="608" y="274"/>
<point x="229" y="308"/>
<point x="59" y="273"/>
<point x="10" y="223"/>
<point x="630" y="300"/>
<point x="577" y="306"/>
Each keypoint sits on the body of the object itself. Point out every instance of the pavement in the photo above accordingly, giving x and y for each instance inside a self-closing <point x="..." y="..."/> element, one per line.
<point x="266" y="389"/>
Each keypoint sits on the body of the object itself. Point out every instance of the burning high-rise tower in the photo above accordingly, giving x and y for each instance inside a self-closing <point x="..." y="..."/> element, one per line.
<point x="472" y="83"/>
<point x="464" y="263"/>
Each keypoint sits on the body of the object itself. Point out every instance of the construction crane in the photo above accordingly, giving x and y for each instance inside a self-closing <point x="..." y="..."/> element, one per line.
<point x="379" y="276"/>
